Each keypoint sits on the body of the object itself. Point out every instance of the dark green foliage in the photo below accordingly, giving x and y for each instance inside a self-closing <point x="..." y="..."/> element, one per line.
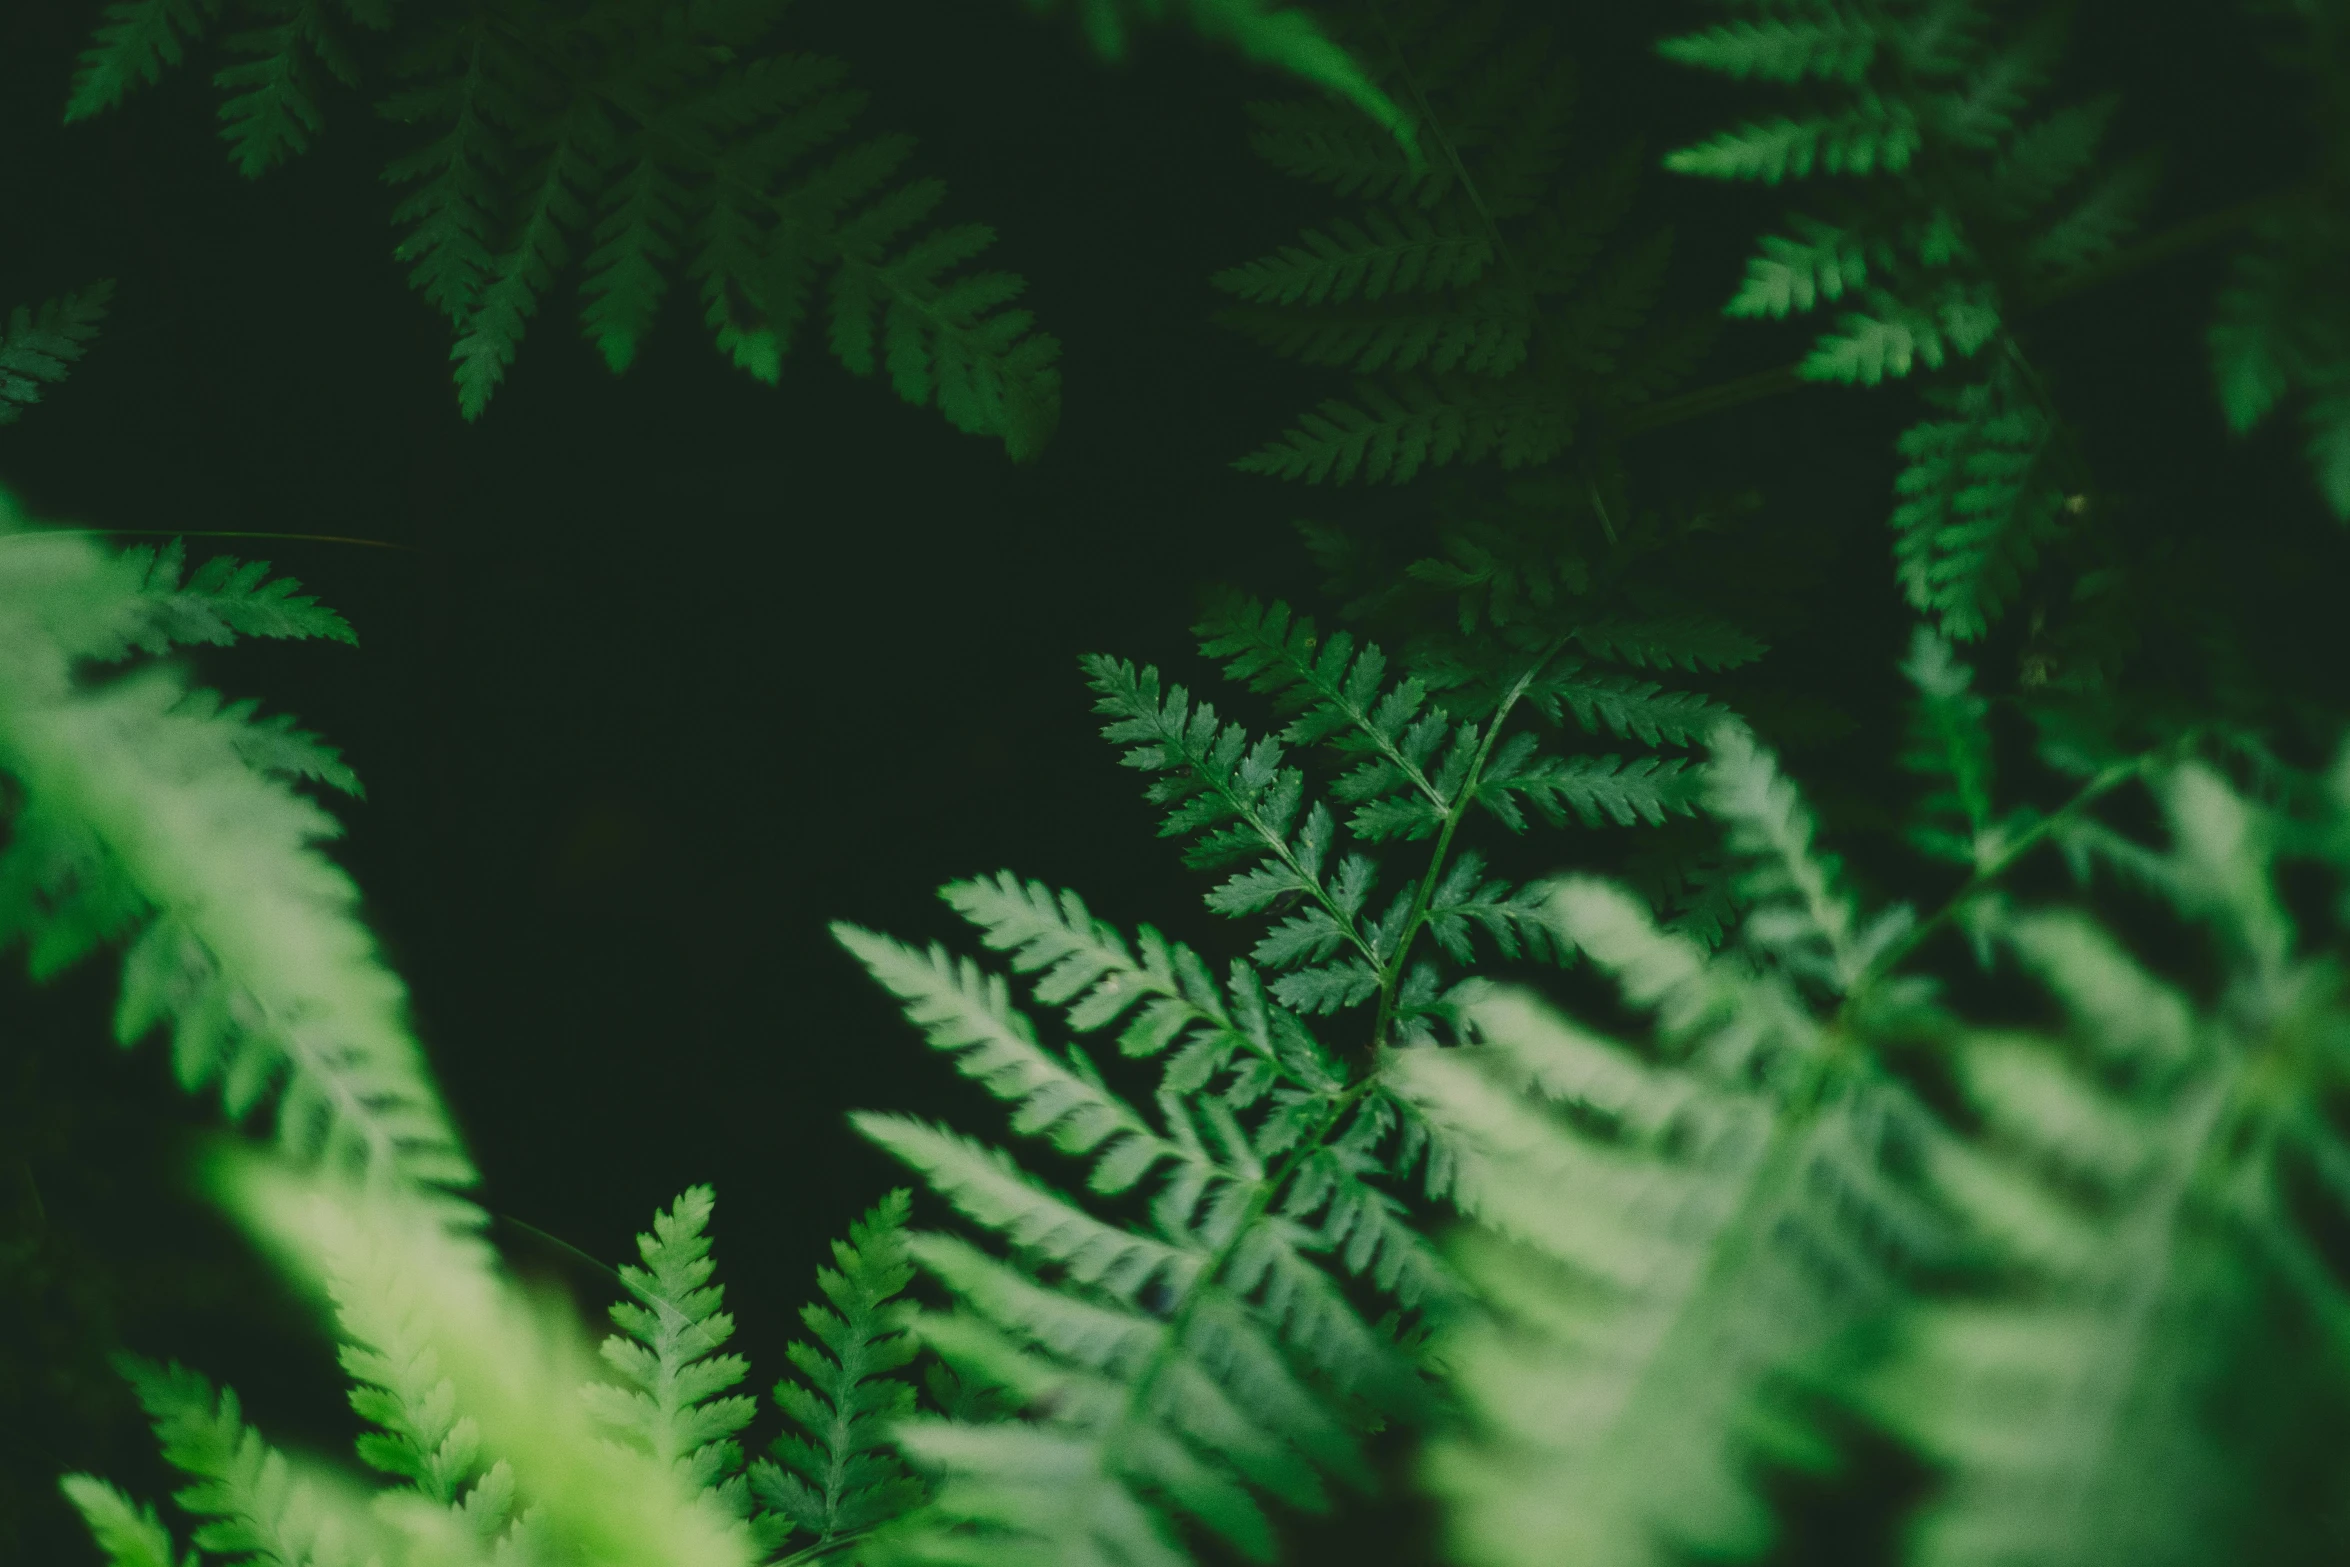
<point x="39" y="345"/>
<point x="317" y="1024"/>
<point x="269" y="108"/>
<point x="2281" y="328"/>
<point x="1997" y="204"/>
<point x="637" y="132"/>
<point x="838" y="1475"/>
<point x="1409" y="772"/>
<point x="2048" y="1286"/>
<point x="1266" y="31"/>
<point x="1482" y="298"/>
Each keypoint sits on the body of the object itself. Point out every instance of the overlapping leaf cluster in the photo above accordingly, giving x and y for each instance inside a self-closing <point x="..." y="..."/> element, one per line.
<point x="1962" y="203"/>
<point x="2085" y="1267"/>
<point x="148" y="811"/>
<point x="629" y="134"/>
<point x="830" y="1481"/>
<point x="1192" y="1337"/>
<point x="2282" y="330"/>
<point x="1479" y="293"/>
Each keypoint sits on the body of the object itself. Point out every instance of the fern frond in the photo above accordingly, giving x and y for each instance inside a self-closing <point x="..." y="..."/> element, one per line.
<point x="1320" y="141"/>
<point x="841" y="1477"/>
<point x="2280" y="329"/>
<point x="129" y="1533"/>
<point x="143" y="817"/>
<point x="1089" y="969"/>
<point x="517" y="1364"/>
<point x="271" y="109"/>
<point x="1871" y="136"/>
<point x="987" y="1186"/>
<point x="964" y="1011"/>
<point x="677" y="137"/>
<point x="675" y="1406"/>
<point x="1801" y="913"/>
<point x="1338" y="694"/>
<point x="1395" y="430"/>
<point x="1990" y="207"/>
<point x="1394" y="250"/>
<point x="402" y="1390"/>
<point x="1624" y="707"/>
<point x="1831" y="46"/>
<point x="1821" y="262"/>
<point x="251" y="1502"/>
<point x="1629" y="1336"/>
<point x="136" y="43"/>
<point x="1591" y="789"/>
<point x="39" y="346"/>
<point x="1175" y="1370"/>
<point x="225" y="599"/>
<point x="1951" y="744"/>
<point x="1479" y="302"/>
<point x="1979" y="501"/>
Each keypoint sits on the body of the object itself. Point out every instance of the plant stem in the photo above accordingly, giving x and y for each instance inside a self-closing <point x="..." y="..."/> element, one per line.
<point x="1393" y="975"/>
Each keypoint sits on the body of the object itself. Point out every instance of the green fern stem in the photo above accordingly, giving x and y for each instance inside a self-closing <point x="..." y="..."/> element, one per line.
<point x="1170" y="1348"/>
<point x="1392" y="972"/>
<point x="1991" y="871"/>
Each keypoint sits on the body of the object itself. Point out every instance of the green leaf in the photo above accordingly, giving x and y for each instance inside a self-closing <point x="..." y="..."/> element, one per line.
<point x="129" y="1534"/>
<point x="1836" y="46"/>
<point x="39" y="346"/>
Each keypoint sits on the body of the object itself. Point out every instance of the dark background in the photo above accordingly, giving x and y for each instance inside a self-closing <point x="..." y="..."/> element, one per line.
<point x="662" y="672"/>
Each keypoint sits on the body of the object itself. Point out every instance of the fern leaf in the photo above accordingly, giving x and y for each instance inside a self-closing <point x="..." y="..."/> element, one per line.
<point x="1394" y="250"/>
<point x="675" y="1406"/>
<point x="1821" y="262"/>
<point x="961" y="1010"/>
<point x="137" y="42"/>
<point x="39" y="346"/>
<point x="1978" y="503"/>
<point x="130" y="1534"/>
<point x="271" y="109"/>
<point x="1415" y="423"/>
<point x="986" y="1185"/>
<point x="1875" y="135"/>
<point x="635" y="235"/>
<point x="473" y="94"/>
<point x="225" y="599"/>
<point x="1832" y="47"/>
<point x="1950" y="743"/>
<point x="841" y="1478"/>
<point x="1801" y="914"/>
<point x="248" y="1497"/>
<point x="1868" y="348"/>
<point x="946" y="338"/>
<point x="400" y="1388"/>
<point x="1689" y="642"/>
<point x="1319" y="141"/>
<point x="1631" y="1335"/>
<point x="143" y="810"/>
<point x="2327" y="420"/>
<point x="1089" y="969"/>
<point x="1592" y="789"/>
<point x="1639" y="709"/>
<point x="515" y="281"/>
